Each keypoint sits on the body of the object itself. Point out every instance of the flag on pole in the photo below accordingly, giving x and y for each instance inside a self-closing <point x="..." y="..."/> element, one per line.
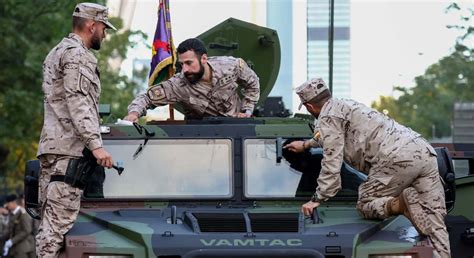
<point x="163" y="50"/>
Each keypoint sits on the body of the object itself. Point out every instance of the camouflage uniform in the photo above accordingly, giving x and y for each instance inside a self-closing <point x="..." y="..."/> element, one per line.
<point x="71" y="89"/>
<point x="220" y="98"/>
<point x="394" y="157"/>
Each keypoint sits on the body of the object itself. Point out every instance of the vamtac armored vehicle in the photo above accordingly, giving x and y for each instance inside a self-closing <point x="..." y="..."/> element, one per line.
<point x="225" y="187"/>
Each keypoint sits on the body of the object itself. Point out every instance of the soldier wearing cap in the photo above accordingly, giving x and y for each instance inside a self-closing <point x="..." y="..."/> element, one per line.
<point x="206" y="86"/>
<point x="18" y="235"/>
<point x="71" y="87"/>
<point x="402" y="169"/>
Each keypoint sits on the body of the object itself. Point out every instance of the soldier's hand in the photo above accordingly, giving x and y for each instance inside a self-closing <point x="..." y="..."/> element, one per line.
<point x="295" y="146"/>
<point x="7" y="246"/>
<point x="132" y="117"/>
<point x="244" y="115"/>
<point x="308" y="207"/>
<point x="103" y="157"/>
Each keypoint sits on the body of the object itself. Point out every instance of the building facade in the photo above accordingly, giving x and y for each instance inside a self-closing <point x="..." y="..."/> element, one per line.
<point x="318" y="21"/>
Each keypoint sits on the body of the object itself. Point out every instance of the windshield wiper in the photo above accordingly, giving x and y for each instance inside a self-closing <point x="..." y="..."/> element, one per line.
<point x="140" y="128"/>
<point x="279" y="149"/>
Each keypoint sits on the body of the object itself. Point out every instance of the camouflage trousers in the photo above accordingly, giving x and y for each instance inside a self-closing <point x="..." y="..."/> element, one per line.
<point x="415" y="167"/>
<point x="60" y="205"/>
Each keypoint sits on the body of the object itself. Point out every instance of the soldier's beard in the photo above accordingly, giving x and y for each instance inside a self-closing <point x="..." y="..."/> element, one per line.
<point x="316" y="115"/>
<point x="96" y="41"/>
<point x="195" y="77"/>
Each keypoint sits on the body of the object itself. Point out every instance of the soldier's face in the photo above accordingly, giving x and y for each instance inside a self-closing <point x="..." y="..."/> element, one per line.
<point x="192" y="65"/>
<point x="98" y="35"/>
<point x="10" y="205"/>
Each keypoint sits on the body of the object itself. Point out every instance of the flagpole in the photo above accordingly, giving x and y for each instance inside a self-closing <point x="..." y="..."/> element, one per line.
<point x="171" y="106"/>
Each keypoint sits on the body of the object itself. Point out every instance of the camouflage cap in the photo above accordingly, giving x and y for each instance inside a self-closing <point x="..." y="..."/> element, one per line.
<point x="94" y="12"/>
<point x="310" y="89"/>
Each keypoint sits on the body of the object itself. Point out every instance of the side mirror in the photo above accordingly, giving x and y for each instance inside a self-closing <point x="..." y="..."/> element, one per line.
<point x="32" y="173"/>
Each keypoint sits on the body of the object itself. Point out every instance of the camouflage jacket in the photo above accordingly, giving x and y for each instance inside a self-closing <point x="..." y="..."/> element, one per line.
<point x="361" y="136"/>
<point x="71" y="89"/>
<point x="199" y="100"/>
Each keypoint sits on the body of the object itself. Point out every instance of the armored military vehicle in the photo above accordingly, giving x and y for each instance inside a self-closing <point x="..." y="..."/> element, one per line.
<point x="225" y="187"/>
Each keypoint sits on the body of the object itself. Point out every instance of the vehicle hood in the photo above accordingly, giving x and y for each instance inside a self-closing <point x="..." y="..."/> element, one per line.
<point x="148" y="232"/>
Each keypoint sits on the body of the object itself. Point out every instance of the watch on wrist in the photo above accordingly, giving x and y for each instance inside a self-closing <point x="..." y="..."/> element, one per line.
<point x="315" y="198"/>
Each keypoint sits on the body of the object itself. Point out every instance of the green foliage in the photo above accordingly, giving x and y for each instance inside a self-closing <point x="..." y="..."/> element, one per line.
<point x="118" y="90"/>
<point x="430" y="103"/>
<point x="28" y="31"/>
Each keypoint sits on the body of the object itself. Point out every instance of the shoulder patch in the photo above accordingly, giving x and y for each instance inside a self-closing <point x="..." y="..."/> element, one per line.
<point x="242" y="63"/>
<point x="156" y="93"/>
<point x="317" y="136"/>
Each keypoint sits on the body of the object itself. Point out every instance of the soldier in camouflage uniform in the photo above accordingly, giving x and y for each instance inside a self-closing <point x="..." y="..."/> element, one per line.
<point x="71" y="89"/>
<point x="206" y="86"/>
<point x="402" y="169"/>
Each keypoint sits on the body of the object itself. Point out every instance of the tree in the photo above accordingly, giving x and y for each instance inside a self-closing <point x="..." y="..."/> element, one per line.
<point x="28" y="30"/>
<point x="429" y="105"/>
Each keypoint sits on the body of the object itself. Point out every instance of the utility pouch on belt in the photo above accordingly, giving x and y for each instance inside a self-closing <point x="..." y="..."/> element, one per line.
<point x="78" y="171"/>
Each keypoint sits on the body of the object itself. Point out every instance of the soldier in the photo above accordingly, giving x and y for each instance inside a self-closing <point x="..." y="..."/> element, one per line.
<point x="3" y="223"/>
<point x="34" y="222"/>
<point x="19" y="240"/>
<point x="71" y="89"/>
<point x="402" y="169"/>
<point x="206" y="86"/>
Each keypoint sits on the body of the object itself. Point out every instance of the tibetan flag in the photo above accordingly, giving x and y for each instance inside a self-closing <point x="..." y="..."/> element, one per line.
<point x="163" y="50"/>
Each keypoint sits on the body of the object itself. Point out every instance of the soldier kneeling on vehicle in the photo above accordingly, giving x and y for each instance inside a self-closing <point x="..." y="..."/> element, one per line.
<point x="401" y="165"/>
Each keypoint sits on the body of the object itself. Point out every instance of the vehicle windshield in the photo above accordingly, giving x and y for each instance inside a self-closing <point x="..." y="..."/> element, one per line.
<point x="295" y="176"/>
<point x="166" y="168"/>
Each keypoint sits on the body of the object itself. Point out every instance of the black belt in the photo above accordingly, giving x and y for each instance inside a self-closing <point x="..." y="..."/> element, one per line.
<point x="60" y="178"/>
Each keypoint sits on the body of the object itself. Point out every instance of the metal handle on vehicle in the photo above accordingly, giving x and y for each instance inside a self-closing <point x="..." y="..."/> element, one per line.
<point x="174" y="217"/>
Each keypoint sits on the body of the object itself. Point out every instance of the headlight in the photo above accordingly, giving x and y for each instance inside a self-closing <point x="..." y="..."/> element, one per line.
<point x="107" y="256"/>
<point x="393" y="256"/>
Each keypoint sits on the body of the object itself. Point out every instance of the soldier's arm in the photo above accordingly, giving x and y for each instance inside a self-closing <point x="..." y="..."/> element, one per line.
<point x="77" y="84"/>
<point x="249" y="82"/>
<point x="140" y="104"/>
<point x="332" y="137"/>
<point x="25" y="224"/>
<point x="160" y="94"/>
<point x="314" y="142"/>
